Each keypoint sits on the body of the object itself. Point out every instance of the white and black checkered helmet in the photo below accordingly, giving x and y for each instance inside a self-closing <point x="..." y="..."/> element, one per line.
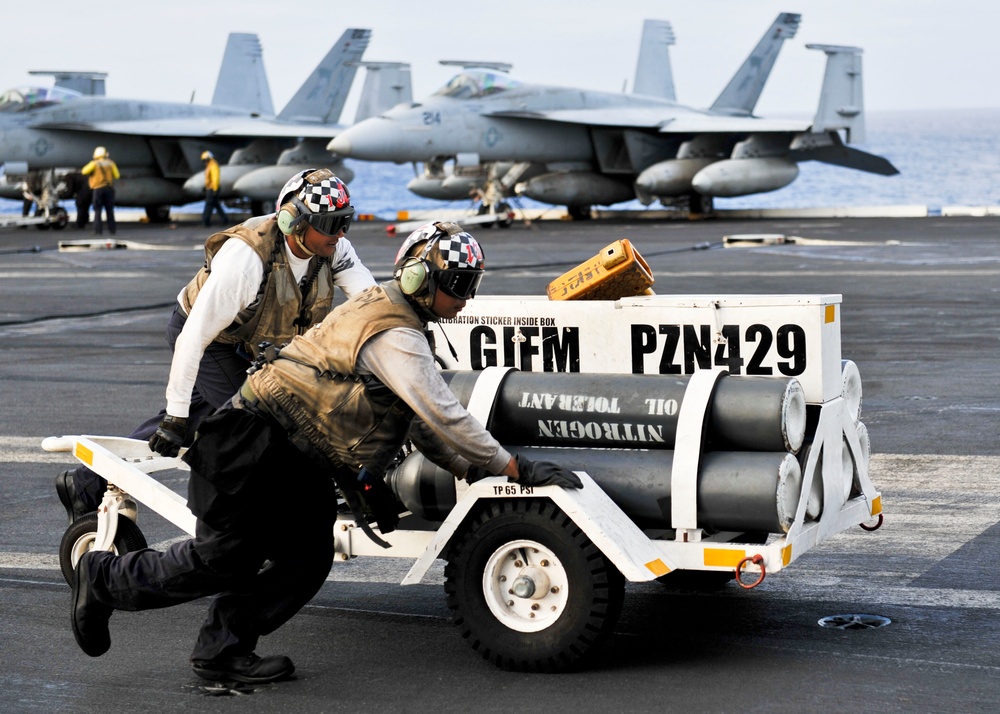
<point x="318" y="190"/>
<point x="316" y="197"/>
<point x="445" y="245"/>
<point x="448" y="258"/>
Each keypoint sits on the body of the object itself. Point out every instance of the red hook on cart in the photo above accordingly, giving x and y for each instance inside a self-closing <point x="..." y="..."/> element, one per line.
<point x="756" y="560"/>
<point x="874" y="527"/>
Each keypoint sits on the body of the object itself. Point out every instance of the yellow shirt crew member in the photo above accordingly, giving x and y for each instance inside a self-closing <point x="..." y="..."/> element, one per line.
<point x="102" y="173"/>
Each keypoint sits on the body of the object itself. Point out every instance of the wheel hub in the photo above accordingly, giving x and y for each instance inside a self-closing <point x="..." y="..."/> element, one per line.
<point x="525" y="586"/>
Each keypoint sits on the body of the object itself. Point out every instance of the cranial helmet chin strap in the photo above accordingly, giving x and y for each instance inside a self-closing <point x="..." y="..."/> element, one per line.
<point x="301" y="243"/>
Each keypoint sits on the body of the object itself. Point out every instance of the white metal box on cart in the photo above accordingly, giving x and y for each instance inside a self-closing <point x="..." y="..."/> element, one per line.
<point x="536" y="576"/>
<point x="755" y="335"/>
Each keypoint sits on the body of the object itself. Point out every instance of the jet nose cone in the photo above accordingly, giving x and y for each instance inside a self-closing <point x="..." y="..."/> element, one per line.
<point x="340" y="145"/>
<point x="375" y="139"/>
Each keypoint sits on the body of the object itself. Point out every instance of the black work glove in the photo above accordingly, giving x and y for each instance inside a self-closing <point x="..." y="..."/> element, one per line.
<point x="169" y="435"/>
<point x="380" y="501"/>
<point x="476" y="473"/>
<point x="544" y="473"/>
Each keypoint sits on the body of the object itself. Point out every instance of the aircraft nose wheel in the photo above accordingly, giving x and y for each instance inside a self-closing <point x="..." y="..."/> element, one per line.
<point x="82" y="534"/>
<point x="528" y="589"/>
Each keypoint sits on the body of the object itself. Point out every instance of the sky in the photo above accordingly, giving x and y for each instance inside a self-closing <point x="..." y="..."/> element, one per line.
<point x="918" y="54"/>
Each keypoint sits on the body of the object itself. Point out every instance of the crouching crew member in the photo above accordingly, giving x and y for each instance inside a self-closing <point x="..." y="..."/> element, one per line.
<point x="264" y="280"/>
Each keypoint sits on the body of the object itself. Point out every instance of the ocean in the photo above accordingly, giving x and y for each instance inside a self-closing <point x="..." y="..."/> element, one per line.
<point x="945" y="158"/>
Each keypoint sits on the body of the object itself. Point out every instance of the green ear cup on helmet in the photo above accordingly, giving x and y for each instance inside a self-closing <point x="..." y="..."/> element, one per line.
<point x="286" y="218"/>
<point x="412" y="276"/>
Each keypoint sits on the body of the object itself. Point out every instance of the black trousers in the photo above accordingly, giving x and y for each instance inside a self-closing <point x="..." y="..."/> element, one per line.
<point x="104" y="198"/>
<point x="263" y="543"/>
<point x="221" y="372"/>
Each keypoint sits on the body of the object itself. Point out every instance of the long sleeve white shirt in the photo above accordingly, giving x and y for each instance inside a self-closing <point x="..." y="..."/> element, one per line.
<point x="237" y="272"/>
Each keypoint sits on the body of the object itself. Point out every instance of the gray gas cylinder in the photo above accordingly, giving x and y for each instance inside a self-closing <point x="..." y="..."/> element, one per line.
<point x="638" y="411"/>
<point x="737" y="490"/>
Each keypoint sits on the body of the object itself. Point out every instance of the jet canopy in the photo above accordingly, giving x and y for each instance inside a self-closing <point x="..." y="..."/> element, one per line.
<point x="475" y="83"/>
<point x="25" y="99"/>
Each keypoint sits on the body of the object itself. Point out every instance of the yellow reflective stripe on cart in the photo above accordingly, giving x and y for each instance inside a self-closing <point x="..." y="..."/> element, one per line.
<point x="831" y="313"/>
<point x="84" y="454"/>
<point x="726" y="557"/>
<point x="876" y="505"/>
<point x="657" y="567"/>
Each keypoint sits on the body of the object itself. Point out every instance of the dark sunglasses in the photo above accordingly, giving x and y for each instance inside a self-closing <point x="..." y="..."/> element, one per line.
<point x="461" y="283"/>
<point x="331" y="224"/>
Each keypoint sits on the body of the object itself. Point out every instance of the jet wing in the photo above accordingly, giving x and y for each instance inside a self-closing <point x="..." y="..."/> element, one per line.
<point x="657" y="118"/>
<point x="732" y="125"/>
<point x="199" y="128"/>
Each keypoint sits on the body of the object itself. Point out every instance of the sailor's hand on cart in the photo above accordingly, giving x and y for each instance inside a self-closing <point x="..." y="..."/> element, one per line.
<point x="169" y="436"/>
<point x="545" y="473"/>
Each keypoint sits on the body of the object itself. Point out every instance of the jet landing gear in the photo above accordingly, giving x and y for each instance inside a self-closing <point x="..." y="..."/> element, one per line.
<point x="158" y="214"/>
<point x="699" y="204"/>
<point x="501" y="213"/>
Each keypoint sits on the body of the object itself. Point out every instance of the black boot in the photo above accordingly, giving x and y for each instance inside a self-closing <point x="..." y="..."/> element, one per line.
<point x="89" y="618"/>
<point x="244" y="668"/>
<point x="66" y="488"/>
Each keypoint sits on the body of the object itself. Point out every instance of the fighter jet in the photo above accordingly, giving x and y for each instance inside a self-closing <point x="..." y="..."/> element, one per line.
<point x="579" y="148"/>
<point x="157" y="145"/>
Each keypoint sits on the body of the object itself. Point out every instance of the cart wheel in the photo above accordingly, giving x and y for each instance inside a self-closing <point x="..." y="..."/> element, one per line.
<point x="80" y="536"/>
<point x="528" y="589"/>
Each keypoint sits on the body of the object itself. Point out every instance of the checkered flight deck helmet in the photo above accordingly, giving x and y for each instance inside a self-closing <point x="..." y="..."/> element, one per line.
<point x="439" y="255"/>
<point x="317" y="198"/>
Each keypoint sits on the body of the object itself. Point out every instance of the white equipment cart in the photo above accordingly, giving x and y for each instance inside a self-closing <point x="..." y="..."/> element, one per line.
<point x="696" y="471"/>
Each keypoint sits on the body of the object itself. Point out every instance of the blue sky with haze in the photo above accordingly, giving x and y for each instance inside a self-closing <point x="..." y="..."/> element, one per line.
<point x="918" y="54"/>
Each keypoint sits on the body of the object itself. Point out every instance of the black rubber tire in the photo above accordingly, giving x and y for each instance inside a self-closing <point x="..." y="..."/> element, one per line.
<point x="594" y="593"/>
<point x="503" y="212"/>
<point x="700" y="205"/>
<point x="80" y="536"/>
<point x="60" y="219"/>
<point x="158" y="213"/>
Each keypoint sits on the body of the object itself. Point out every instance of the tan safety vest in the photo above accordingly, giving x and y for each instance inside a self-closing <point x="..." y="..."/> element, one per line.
<point x="271" y="316"/>
<point x="314" y="391"/>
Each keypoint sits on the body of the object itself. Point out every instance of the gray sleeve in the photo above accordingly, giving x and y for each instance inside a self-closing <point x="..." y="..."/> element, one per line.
<point x="402" y="360"/>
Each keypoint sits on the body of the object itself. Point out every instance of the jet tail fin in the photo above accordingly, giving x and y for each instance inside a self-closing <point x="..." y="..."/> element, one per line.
<point x="386" y="85"/>
<point x="242" y="82"/>
<point x="841" y="102"/>
<point x="741" y="94"/>
<point x="653" y="75"/>
<point x="87" y="83"/>
<point x="322" y="96"/>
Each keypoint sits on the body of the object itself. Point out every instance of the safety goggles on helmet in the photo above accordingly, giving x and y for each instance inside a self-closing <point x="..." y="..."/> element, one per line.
<point x="330" y="224"/>
<point x="460" y="283"/>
